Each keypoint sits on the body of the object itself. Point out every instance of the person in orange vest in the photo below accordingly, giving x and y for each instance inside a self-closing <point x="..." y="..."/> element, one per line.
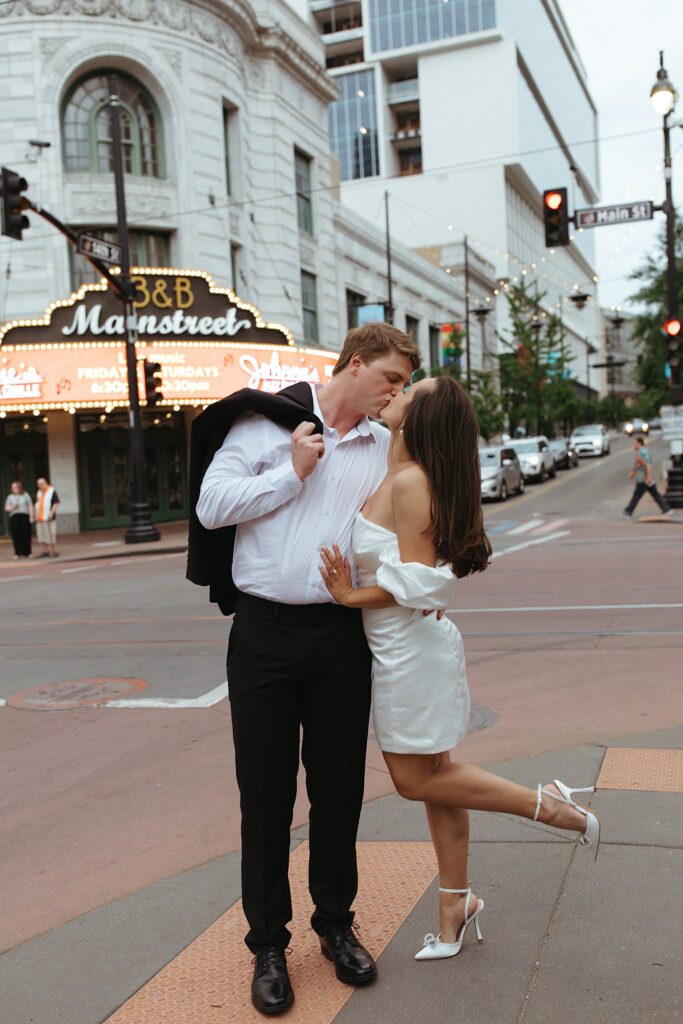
<point x="47" y="501"/>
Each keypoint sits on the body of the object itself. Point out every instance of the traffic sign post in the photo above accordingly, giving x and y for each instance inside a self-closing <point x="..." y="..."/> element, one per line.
<point x="623" y="213"/>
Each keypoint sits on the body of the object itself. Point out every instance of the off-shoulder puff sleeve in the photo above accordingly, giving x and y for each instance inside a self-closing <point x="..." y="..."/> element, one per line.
<point x="413" y="584"/>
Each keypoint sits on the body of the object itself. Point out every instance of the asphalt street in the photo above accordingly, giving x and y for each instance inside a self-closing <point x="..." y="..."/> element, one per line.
<point x="573" y="636"/>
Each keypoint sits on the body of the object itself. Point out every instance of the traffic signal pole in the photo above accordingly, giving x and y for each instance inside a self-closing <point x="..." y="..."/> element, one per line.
<point x="141" y="528"/>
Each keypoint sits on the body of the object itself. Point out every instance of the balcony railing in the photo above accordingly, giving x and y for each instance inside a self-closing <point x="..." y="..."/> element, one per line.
<point x="403" y="92"/>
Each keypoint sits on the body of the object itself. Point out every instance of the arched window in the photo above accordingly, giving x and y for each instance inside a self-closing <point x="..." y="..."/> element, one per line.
<point x="86" y="127"/>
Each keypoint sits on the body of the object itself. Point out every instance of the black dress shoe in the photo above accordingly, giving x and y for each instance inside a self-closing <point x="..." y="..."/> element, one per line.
<point x="352" y="963"/>
<point x="271" y="990"/>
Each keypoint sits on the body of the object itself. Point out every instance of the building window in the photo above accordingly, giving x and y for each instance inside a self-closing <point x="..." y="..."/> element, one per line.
<point x="410" y="160"/>
<point x="353" y="125"/>
<point x="302" y="176"/>
<point x="434" y="345"/>
<point x="229" y="114"/>
<point x="309" y="303"/>
<point x="86" y="128"/>
<point x="395" y="24"/>
<point x="235" y="266"/>
<point x="147" y="249"/>
<point x="413" y="328"/>
<point x="353" y="301"/>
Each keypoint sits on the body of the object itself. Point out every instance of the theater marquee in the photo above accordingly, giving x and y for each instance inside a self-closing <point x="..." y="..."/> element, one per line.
<point x="207" y="341"/>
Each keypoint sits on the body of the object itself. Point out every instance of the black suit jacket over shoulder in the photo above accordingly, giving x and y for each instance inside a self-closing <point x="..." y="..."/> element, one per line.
<point x="209" y="552"/>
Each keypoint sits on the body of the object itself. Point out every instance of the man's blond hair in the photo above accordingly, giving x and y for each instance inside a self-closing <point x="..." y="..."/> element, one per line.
<point x="374" y="340"/>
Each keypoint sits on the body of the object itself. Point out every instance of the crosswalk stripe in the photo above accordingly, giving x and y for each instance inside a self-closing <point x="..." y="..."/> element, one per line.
<point x="554" y="525"/>
<point x="501" y="527"/>
<point x="525" y="527"/>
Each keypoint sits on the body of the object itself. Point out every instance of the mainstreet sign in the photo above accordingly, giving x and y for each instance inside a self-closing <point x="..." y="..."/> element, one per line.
<point x="108" y="252"/>
<point x="603" y="215"/>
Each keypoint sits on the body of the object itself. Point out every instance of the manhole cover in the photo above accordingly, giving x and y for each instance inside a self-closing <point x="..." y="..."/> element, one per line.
<point x="75" y="693"/>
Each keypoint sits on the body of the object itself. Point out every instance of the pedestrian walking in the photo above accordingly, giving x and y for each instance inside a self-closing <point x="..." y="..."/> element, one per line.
<point x="296" y="659"/>
<point x="19" y="509"/>
<point x="47" y="501"/>
<point x="644" y="477"/>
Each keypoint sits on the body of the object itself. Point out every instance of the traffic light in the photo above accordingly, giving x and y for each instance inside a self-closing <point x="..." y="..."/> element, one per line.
<point x="672" y="329"/>
<point x="556" y="217"/>
<point x="153" y="383"/>
<point x="13" y="221"/>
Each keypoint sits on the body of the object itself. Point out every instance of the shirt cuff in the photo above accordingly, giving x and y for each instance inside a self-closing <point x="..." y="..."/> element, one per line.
<point x="285" y="475"/>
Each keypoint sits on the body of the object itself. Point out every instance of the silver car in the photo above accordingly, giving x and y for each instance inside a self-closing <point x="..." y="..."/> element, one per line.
<point x="501" y="473"/>
<point x="592" y="439"/>
<point x="535" y="458"/>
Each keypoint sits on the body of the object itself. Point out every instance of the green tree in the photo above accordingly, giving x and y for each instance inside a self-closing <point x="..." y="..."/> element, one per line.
<point x="534" y="375"/>
<point x="487" y="404"/>
<point x="647" y="330"/>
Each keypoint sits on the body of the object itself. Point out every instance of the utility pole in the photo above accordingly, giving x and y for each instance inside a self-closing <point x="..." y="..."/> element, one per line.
<point x="141" y="528"/>
<point x="390" y="297"/>
<point x="467" y="314"/>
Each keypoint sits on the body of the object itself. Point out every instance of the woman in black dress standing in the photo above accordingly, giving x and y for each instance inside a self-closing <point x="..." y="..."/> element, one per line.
<point x="19" y="509"/>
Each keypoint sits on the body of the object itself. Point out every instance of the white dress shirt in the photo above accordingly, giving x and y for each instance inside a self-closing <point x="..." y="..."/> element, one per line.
<point x="281" y="521"/>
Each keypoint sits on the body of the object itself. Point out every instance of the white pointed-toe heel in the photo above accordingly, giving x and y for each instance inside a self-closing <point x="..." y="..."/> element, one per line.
<point x="591" y="834"/>
<point x="434" y="949"/>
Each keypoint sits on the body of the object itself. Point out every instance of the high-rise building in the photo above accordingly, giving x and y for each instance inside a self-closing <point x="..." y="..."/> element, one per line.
<point x="464" y="111"/>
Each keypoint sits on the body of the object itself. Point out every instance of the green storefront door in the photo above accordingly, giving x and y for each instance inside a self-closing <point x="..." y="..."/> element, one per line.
<point x="104" y="459"/>
<point x="23" y="456"/>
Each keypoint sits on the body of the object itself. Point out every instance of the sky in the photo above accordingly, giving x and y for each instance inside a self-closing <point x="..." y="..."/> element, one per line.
<point x="619" y="43"/>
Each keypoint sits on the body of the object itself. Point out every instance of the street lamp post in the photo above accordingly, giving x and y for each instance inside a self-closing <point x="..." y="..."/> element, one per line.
<point x="481" y="312"/>
<point x="664" y="96"/>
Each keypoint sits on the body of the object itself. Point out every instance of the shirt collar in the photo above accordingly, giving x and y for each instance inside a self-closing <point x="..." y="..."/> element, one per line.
<point x="362" y="428"/>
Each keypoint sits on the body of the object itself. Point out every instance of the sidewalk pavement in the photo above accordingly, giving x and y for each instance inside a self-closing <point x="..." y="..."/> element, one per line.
<point x="79" y="547"/>
<point x="566" y="939"/>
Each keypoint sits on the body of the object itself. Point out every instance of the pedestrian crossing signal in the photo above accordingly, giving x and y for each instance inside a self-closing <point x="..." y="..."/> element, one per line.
<point x="153" y="383"/>
<point x="556" y="217"/>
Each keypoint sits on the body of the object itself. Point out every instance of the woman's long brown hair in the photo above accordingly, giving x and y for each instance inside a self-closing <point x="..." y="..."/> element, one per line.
<point x="441" y="434"/>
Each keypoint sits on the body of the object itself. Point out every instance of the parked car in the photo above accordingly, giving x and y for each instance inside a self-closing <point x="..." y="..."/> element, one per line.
<point x="501" y="473"/>
<point x="564" y="453"/>
<point x="535" y="458"/>
<point x="591" y="439"/>
<point x="654" y="424"/>
<point x="636" y="426"/>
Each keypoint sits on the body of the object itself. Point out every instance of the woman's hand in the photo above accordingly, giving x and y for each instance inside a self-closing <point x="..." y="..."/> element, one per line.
<point x="336" y="571"/>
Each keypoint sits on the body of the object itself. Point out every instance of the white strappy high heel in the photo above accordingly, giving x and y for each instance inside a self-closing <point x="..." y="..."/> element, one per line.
<point x="591" y="835"/>
<point x="434" y="949"/>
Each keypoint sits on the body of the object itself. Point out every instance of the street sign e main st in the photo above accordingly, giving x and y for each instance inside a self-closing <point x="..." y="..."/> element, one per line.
<point x="108" y="252"/>
<point x="623" y="213"/>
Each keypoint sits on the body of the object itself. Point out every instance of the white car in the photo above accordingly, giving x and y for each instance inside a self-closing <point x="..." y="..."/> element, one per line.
<point x="592" y="439"/>
<point x="535" y="457"/>
<point x="501" y="473"/>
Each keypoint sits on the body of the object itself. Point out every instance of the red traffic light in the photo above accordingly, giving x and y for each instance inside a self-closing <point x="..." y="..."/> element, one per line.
<point x="672" y="327"/>
<point x="554" y="200"/>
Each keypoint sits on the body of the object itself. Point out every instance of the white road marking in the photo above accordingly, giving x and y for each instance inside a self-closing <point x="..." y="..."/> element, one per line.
<point x="206" y="700"/>
<point x="106" y="543"/>
<point x="82" y="568"/>
<point x="3" y="702"/>
<point x="531" y="525"/>
<point x="565" y="608"/>
<point x="121" y="561"/>
<point x="11" y="579"/>
<point x="529" y="543"/>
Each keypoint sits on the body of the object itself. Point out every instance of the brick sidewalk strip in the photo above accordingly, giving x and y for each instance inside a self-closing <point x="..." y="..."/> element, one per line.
<point x="654" y="771"/>
<point x="209" y="982"/>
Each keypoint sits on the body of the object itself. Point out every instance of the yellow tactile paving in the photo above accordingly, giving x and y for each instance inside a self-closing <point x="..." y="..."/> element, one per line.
<point x="654" y="771"/>
<point x="208" y="983"/>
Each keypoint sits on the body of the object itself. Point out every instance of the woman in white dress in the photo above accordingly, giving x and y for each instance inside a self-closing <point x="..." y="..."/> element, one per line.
<point x="419" y="533"/>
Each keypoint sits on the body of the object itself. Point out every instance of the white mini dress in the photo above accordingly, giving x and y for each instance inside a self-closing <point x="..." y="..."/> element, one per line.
<point x="420" y="699"/>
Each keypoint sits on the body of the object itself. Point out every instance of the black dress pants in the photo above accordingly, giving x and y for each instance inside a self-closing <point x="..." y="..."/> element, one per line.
<point x="20" y="529"/>
<point x="296" y="669"/>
